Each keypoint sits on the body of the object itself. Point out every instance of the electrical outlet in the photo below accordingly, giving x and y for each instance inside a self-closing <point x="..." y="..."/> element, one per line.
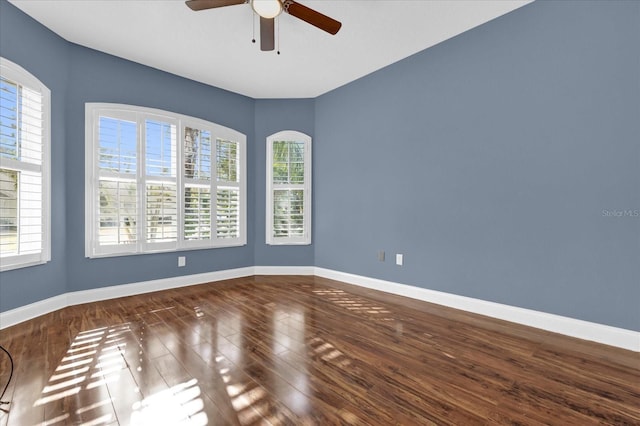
<point x="381" y="255"/>
<point x="399" y="259"/>
<point x="182" y="261"/>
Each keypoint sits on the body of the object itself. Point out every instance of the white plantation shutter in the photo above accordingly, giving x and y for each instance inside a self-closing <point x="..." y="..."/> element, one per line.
<point x="212" y="187"/>
<point x="288" y="188"/>
<point x="117" y="212"/>
<point x="117" y="166"/>
<point x="197" y="185"/>
<point x="227" y="213"/>
<point x="160" y="179"/>
<point x="24" y="168"/>
<point x="197" y="219"/>
<point x="288" y="213"/>
<point x="228" y="189"/>
<point x="152" y="177"/>
<point x="161" y="212"/>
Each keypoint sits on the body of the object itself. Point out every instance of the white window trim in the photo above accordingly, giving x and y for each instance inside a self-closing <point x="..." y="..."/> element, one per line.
<point x="217" y="132"/>
<point x="92" y="114"/>
<point x="289" y="135"/>
<point x="16" y="73"/>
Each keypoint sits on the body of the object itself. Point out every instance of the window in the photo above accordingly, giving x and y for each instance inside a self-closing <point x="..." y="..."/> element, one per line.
<point x="288" y="188"/>
<point x="158" y="181"/>
<point x="24" y="168"/>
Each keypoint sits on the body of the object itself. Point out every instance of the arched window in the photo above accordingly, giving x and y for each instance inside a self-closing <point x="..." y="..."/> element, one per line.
<point x="25" y="104"/>
<point x="288" y="188"/>
<point x="159" y="181"/>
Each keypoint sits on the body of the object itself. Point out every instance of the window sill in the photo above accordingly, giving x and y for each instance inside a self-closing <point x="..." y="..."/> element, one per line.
<point x="176" y="250"/>
<point x="11" y="264"/>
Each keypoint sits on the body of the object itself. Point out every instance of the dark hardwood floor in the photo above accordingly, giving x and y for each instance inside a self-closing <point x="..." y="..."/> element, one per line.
<point x="304" y="351"/>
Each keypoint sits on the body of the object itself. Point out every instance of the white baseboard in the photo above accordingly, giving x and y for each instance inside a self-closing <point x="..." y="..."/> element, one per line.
<point x="612" y="336"/>
<point x="32" y="310"/>
<point x="27" y="312"/>
<point x="284" y="270"/>
<point x="112" y="292"/>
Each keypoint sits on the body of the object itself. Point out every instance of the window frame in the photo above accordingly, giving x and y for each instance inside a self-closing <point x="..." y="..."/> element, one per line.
<point x="17" y="74"/>
<point x="306" y="239"/>
<point x="93" y="249"/>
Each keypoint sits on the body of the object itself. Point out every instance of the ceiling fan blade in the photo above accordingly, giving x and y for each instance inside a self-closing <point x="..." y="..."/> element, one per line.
<point x="267" y="34"/>
<point x="314" y="18"/>
<point x="211" y="4"/>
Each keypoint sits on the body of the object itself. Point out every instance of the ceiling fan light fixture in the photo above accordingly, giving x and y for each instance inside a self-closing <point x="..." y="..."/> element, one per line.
<point x="268" y="9"/>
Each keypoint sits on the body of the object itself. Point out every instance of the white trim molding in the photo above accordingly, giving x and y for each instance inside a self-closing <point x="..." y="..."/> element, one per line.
<point x="284" y="270"/>
<point x="27" y="312"/>
<point x="32" y="310"/>
<point x="600" y="333"/>
<point x="36" y="161"/>
<point x="585" y="330"/>
<point x="141" y="174"/>
<point x="288" y="137"/>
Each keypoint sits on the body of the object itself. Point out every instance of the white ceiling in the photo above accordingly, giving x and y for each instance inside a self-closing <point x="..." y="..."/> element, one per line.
<point x="214" y="46"/>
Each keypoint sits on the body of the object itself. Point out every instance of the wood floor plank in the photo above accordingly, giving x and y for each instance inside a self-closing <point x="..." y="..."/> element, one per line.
<point x="303" y="350"/>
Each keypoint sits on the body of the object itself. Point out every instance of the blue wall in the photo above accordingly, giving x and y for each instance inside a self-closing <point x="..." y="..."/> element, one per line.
<point x="77" y="75"/>
<point x="97" y="77"/>
<point x="272" y="116"/>
<point x="488" y="161"/>
<point x="19" y="37"/>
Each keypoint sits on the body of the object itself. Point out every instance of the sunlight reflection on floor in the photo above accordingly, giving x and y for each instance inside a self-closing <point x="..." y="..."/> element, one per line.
<point x="178" y="405"/>
<point x="96" y="358"/>
<point x="354" y="303"/>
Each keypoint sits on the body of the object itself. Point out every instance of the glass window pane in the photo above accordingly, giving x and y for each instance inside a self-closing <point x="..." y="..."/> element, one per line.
<point x="280" y="162"/>
<point x="117" y="212"/>
<point x="30" y="212"/>
<point x="296" y="152"/>
<point x="296" y="173"/>
<point x="8" y="212"/>
<point x="288" y="162"/>
<point x="30" y="126"/>
<point x="228" y="213"/>
<point x="197" y="154"/>
<point x="160" y="148"/>
<point x="288" y="213"/>
<point x="296" y="162"/>
<point x="197" y="213"/>
<point x="8" y="119"/>
<point x="162" y="213"/>
<point x="280" y="152"/>
<point x="227" y="160"/>
<point x="117" y="145"/>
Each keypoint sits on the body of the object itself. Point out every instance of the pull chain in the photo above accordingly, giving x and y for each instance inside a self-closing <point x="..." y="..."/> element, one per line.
<point x="278" y="39"/>
<point x="253" y="25"/>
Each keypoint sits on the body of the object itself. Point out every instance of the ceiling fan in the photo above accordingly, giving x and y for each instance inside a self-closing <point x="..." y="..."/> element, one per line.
<point x="268" y="10"/>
